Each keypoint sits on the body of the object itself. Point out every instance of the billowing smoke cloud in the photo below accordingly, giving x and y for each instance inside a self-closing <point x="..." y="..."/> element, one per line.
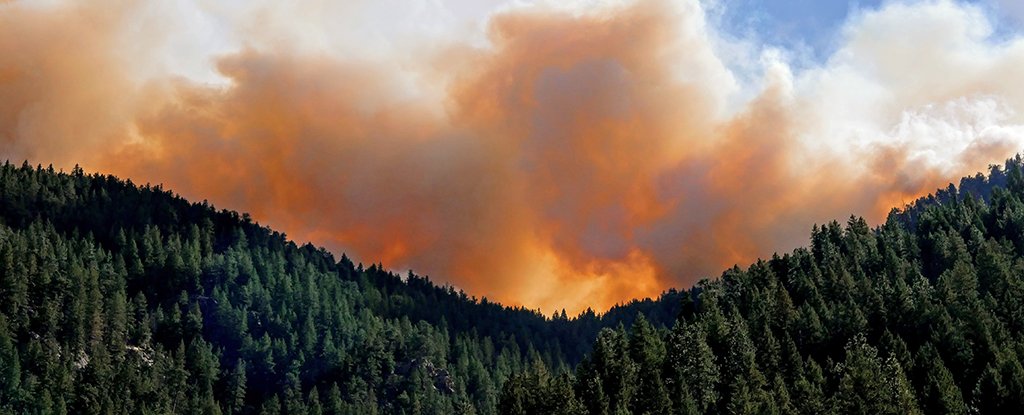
<point x="550" y="156"/>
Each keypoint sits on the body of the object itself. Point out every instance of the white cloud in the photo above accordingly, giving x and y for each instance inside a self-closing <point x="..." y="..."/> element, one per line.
<point x="925" y="76"/>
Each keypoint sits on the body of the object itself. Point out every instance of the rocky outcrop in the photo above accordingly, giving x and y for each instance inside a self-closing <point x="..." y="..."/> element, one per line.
<point x="442" y="379"/>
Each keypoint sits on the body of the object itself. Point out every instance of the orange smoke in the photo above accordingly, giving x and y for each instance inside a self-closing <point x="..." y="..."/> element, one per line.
<point x="567" y="165"/>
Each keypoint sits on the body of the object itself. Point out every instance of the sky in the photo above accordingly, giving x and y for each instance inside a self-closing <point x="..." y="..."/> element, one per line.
<point x="549" y="154"/>
<point x="812" y="27"/>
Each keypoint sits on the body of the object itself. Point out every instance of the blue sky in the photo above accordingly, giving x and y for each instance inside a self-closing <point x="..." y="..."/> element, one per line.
<point x="812" y="26"/>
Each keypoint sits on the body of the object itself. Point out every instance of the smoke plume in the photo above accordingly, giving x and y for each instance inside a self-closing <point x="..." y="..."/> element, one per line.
<point x="543" y="155"/>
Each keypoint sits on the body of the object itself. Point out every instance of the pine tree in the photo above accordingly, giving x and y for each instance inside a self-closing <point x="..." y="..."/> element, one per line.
<point x="693" y="374"/>
<point x="863" y="391"/>
<point x="648" y="351"/>
<point x="235" y="398"/>
<point x="334" y="402"/>
<point x="10" y="369"/>
<point x="940" y="393"/>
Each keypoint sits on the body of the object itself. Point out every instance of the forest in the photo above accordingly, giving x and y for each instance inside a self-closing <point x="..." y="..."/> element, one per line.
<point x="120" y="298"/>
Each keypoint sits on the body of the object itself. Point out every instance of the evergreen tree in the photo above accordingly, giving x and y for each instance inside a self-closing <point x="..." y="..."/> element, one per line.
<point x="116" y="298"/>
<point x="648" y="351"/>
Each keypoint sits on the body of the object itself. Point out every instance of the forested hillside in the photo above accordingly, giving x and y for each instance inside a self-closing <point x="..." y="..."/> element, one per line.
<point x="116" y="298"/>
<point x="923" y="314"/>
<point x="126" y="299"/>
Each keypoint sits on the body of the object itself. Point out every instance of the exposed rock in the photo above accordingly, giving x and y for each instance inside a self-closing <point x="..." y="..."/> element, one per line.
<point x="81" y="361"/>
<point x="144" y="354"/>
<point x="442" y="379"/>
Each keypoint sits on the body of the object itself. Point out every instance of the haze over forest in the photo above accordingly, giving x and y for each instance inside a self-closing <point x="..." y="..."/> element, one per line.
<point x="546" y="154"/>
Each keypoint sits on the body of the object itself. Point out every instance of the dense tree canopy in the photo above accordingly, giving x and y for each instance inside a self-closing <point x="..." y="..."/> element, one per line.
<point x="920" y="315"/>
<point x="120" y="298"/>
<point x="116" y="298"/>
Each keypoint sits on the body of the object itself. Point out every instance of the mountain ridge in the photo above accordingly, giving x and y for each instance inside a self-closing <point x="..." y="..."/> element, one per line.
<point x="108" y="283"/>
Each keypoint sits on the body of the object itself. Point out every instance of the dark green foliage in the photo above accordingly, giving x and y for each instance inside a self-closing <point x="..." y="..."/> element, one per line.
<point x="648" y="351"/>
<point x="123" y="299"/>
<point x="116" y="298"/>
<point x="538" y="392"/>
<point x="924" y="314"/>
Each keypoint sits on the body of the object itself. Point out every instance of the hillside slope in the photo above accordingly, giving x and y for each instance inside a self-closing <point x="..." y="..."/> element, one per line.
<point x="130" y="299"/>
<point x="118" y="298"/>
<point x="924" y="314"/>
